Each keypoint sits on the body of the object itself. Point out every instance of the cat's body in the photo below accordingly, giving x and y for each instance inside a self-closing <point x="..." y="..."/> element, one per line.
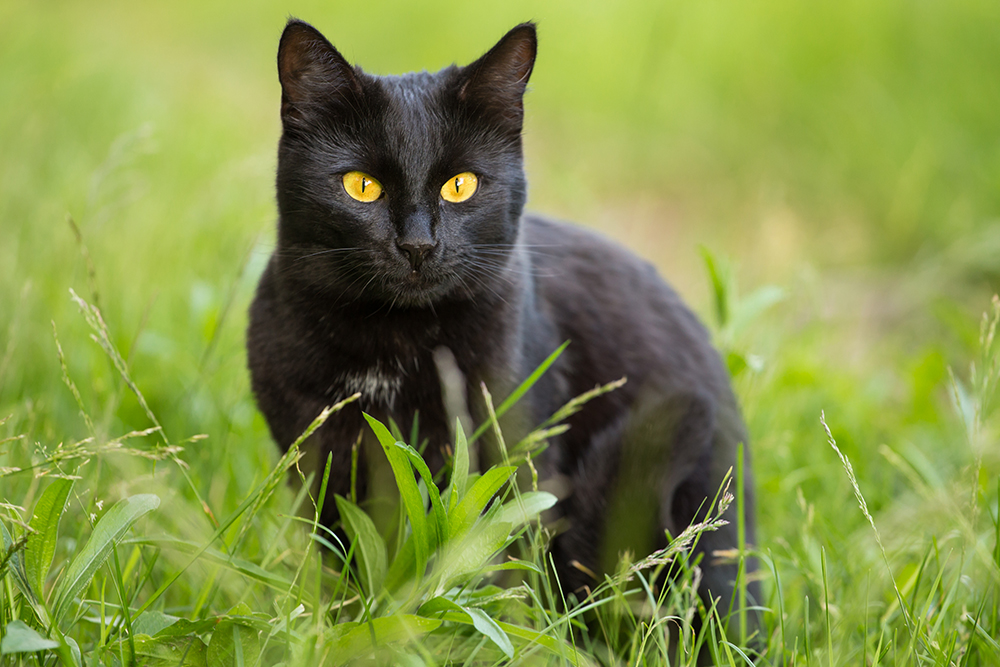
<point x="360" y="294"/>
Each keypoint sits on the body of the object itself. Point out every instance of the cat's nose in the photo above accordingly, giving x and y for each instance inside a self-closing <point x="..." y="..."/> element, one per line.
<point x="415" y="251"/>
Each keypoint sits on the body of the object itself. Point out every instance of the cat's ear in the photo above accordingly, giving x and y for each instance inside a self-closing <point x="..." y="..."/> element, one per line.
<point x="311" y="71"/>
<point x="496" y="82"/>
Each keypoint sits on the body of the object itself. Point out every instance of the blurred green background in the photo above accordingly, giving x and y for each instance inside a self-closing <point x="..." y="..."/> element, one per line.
<point x="846" y="152"/>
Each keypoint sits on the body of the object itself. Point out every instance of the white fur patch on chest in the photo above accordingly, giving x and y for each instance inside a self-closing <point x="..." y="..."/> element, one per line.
<point x="378" y="383"/>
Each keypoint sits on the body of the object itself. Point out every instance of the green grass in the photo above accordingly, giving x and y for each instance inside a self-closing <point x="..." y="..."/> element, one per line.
<point x="842" y="158"/>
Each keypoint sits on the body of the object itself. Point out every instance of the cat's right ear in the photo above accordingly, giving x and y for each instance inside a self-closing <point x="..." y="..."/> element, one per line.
<point x="496" y="82"/>
<point x="312" y="73"/>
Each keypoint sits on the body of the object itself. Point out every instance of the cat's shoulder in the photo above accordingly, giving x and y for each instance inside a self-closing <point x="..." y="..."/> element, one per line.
<point x="569" y="244"/>
<point x="579" y="268"/>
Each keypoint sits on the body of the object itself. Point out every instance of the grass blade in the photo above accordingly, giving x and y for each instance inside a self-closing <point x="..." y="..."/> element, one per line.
<point x="488" y="627"/>
<point x="19" y="638"/>
<point x="480" y="621"/>
<point x="107" y="533"/>
<point x="245" y="568"/>
<point x="422" y="537"/>
<point x="233" y="643"/>
<point x="14" y="558"/>
<point x="525" y="507"/>
<point x="402" y="565"/>
<point x="459" y="466"/>
<point x="849" y="469"/>
<point x="372" y="560"/>
<point x="440" y="516"/>
<point x="472" y="554"/>
<point x="550" y="643"/>
<point x="721" y="281"/>
<point x="472" y="505"/>
<point x="390" y="629"/>
<point x="44" y="524"/>
<point x="521" y="390"/>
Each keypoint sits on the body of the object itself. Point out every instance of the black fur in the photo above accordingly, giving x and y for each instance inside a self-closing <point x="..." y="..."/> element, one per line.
<point x="340" y="307"/>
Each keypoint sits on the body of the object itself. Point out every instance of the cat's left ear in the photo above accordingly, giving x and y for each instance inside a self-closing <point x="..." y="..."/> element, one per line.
<point x="495" y="83"/>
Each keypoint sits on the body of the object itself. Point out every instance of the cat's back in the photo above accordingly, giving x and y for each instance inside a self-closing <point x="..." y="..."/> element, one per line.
<point x="622" y="316"/>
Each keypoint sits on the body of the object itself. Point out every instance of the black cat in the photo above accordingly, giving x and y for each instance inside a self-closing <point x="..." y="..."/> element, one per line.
<point x="401" y="233"/>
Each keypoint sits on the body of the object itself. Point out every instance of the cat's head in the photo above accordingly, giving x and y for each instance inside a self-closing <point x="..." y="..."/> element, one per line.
<point x="402" y="190"/>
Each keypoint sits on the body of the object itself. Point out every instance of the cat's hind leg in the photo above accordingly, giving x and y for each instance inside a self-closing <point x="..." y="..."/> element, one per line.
<point x="655" y="470"/>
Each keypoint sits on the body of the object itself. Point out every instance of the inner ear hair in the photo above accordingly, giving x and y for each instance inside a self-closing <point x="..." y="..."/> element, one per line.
<point x="311" y="70"/>
<point x="498" y="79"/>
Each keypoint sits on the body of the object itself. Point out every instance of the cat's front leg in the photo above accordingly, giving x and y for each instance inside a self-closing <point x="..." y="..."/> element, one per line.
<point x="289" y="413"/>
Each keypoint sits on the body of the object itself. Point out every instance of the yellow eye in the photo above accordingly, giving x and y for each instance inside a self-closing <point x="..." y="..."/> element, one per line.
<point x="361" y="186"/>
<point x="459" y="188"/>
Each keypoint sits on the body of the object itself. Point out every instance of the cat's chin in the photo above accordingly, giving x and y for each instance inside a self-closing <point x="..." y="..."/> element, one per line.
<point x="418" y="289"/>
<point x="419" y="293"/>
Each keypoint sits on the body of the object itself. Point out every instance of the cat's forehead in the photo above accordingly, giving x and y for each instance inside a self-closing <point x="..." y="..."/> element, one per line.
<point x="414" y="117"/>
<point x="415" y="96"/>
<point x="414" y="86"/>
